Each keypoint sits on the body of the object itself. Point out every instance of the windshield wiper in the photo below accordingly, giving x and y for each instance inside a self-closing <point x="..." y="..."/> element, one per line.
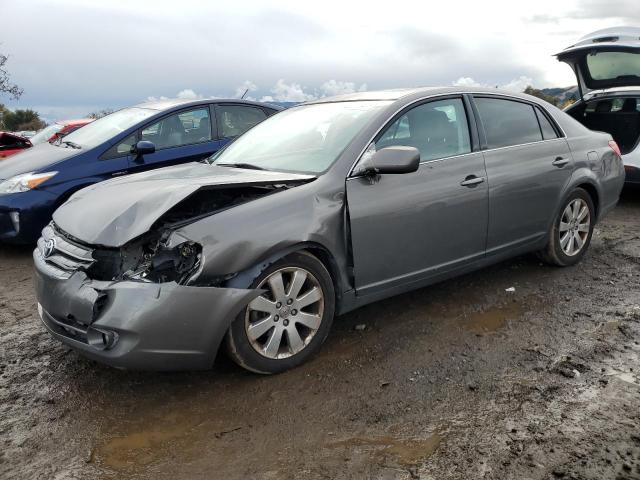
<point x="249" y="166"/>
<point x="71" y="144"/>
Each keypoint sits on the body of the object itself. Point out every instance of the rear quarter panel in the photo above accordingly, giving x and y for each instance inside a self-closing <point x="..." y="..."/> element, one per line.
<point x="596" y="164"/>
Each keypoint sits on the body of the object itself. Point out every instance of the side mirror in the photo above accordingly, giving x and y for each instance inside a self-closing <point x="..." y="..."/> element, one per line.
<point x="141" y="148"/>
<point x="391" y="160"/>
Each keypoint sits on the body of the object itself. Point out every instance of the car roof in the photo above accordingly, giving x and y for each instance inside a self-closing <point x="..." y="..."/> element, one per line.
<point x="402" y="93"/>
<point x="167" y="103"/>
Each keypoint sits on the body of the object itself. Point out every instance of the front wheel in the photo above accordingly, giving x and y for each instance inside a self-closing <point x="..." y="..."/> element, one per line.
<point x="571" y="231"/>
<point x="288" y="323"/>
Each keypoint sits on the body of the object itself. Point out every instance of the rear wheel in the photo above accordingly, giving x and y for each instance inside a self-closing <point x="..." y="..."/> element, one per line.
<point x="571" y="231"/>
<point x="288" y="323"/>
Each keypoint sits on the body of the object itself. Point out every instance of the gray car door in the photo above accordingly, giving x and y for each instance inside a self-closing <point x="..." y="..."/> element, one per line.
<point x="406" y="228"/>
<point x="528" y="165"/>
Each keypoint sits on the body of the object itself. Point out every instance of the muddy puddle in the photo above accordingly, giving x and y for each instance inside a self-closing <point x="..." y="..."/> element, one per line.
<point x="387" y="449"/>
<point x="493" y="319"/>
<point x="131" y="451"/>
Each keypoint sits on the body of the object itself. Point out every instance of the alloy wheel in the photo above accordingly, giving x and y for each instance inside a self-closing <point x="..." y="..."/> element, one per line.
<point x="574" y="227"/>
<point x="284" y="319"/>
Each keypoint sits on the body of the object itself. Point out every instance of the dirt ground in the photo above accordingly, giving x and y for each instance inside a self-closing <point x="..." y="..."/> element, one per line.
<point x="461" y="380"/>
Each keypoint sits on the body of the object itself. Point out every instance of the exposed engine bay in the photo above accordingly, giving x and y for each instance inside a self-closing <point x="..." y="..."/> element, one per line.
<point x="149" y="258"/>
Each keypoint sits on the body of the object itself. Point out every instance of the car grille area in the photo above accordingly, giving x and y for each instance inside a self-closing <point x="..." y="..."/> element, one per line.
<point x="61" y="256"/>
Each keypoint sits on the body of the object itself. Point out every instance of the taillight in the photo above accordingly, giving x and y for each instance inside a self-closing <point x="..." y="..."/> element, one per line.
<point x="614" y="146"/>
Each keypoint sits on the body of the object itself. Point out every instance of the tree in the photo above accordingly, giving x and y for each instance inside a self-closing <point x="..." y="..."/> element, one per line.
<point x="5" y="84"/>
<point x="3" y="111"/>
<point x="21" y="120"/>
<point x="567" y="102"/>
<point x="540" y="94"/>
<point x="100" y="113"/>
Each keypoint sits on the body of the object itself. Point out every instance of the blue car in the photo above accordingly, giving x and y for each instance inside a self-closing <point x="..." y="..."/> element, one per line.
<point x="151" y="135"/>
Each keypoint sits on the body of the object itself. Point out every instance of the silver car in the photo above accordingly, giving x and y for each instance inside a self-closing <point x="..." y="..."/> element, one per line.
<point x="607" y="66"/>
<point x="322" y="208"/>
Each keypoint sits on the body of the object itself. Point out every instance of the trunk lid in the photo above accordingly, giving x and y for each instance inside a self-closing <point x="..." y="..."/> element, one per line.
<point x="605" y="59"/>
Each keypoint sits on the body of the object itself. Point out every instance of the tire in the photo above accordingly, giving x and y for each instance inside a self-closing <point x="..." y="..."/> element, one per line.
<point x="274" y="318"/>
<point x="564" y="251"/>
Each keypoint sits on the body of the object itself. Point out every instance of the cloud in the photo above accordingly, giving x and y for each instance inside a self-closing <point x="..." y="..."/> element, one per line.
<point x="285" y="50"/>
<point x="246" y="87"/>
<point x="624" y="11"/>
<point x="294" y="92"/>
<point x="288" y="92"/>
<point x="543" y="18"/>
<point x="188" y="94"/>
<point x="336" y="87"/>
<point x="185" y="94"/>
<point x="515" y="85"/>
<point x="466" y="82"/>
<point x="424" y="44"/>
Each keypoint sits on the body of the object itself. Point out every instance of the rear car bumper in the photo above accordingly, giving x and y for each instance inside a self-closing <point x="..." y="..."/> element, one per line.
<point x="137" y="325"/>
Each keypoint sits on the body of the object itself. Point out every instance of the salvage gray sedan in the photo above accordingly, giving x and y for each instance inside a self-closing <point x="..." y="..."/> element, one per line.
<point x="320" y="209"/>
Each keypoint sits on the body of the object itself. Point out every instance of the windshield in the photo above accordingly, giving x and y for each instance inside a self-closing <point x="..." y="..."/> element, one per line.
<point x="306" y="139"/>
<point x="107" y="127"/>
<point x="613" y="65"/>
<point x="45" y="134"/>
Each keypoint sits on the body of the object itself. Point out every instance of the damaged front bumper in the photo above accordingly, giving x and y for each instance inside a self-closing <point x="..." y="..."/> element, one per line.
<point x="137" y="325"/>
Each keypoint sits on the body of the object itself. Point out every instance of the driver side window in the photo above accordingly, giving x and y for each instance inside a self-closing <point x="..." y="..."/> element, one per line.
<point x="438" y="129"/>
<point x="184" y="128"/>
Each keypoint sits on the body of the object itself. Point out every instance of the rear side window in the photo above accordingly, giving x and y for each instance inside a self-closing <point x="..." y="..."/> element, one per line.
<point x="548" y="132"/>
<point x="234" y="120"/>
<point x="507" y="122"/>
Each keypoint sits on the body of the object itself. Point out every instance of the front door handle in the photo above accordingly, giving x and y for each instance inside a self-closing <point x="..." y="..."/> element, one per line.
<point x="471" y="181"/>
<point x="559" y="162"/>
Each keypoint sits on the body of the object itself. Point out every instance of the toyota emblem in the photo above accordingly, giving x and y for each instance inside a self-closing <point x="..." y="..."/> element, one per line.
<point x="49" y="247"/>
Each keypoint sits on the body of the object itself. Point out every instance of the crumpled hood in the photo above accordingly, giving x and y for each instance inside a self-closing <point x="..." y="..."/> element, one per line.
<point x="114" y="212"/>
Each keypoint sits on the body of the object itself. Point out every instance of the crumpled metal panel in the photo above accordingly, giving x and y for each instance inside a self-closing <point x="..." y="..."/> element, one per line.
<point x="114" y="212"/>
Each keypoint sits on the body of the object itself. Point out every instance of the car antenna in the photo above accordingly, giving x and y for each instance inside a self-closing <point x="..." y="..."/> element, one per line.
<point x="245" y="92"/>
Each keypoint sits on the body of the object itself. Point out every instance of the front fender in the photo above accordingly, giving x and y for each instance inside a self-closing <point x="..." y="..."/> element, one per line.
<point x="241" y="241"/>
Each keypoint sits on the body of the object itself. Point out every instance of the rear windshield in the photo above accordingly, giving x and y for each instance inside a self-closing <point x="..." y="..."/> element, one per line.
<point x="614" y="65"/>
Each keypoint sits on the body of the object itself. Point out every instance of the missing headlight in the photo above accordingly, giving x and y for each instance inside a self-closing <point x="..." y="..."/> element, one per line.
<point x="149" y="259"/>
<point x="178" y="264"/>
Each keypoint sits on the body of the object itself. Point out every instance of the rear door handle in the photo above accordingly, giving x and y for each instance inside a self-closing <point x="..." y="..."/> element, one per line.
<point x="471" y="181"/>
<point x="559" y="162"/>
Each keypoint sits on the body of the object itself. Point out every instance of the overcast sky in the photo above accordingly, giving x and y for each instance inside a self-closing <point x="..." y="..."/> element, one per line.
<point x="73" y="56"/>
